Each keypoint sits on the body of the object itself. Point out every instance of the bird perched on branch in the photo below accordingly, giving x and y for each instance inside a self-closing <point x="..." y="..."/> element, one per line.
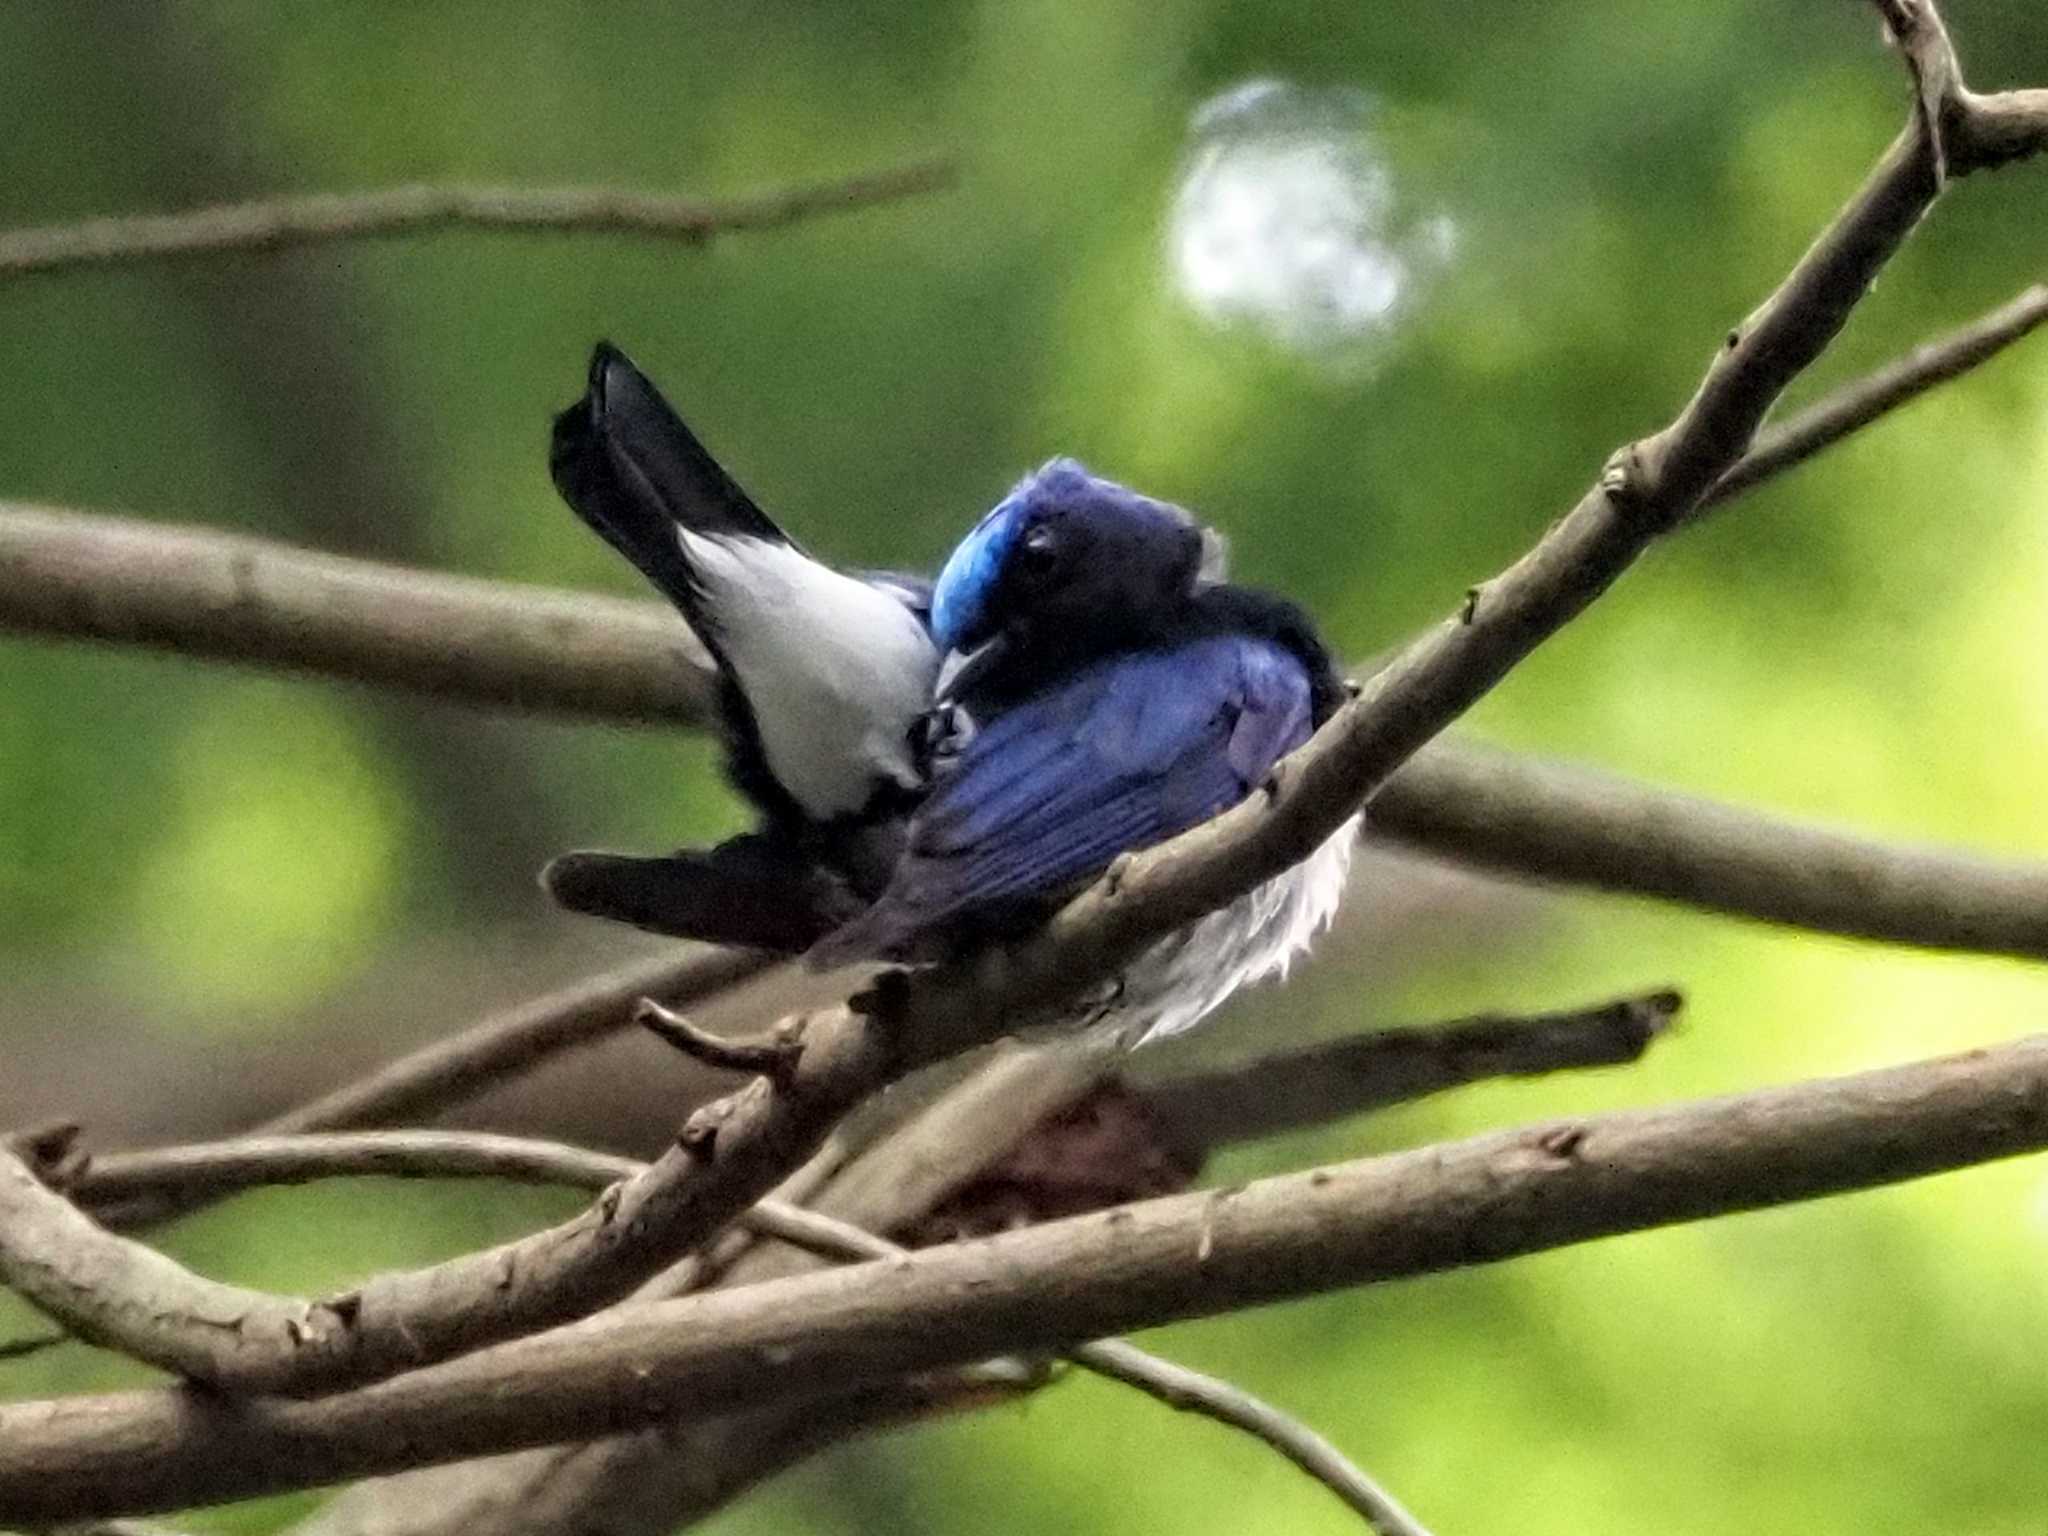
<point x="1101" y="689"/>
<point x="1101" y="693"/>
<point x="821" y="677"/>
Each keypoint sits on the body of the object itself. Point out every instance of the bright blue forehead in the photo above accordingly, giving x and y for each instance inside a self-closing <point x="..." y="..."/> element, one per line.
<point x="961" y="594"/>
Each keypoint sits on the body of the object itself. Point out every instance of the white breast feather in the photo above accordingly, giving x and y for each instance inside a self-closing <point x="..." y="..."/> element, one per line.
<point x="1187" y="975"/>
<point x="835" y="670"/>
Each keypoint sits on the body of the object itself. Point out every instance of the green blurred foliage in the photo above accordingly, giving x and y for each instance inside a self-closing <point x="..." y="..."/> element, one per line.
<point x="1859" y="643"/>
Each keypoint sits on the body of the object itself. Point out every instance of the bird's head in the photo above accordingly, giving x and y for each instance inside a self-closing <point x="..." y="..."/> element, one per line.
<point x="1069" y="555"/>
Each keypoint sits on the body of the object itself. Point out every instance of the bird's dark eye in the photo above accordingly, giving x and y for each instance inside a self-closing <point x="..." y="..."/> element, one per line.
<point x="1039" y="550"/>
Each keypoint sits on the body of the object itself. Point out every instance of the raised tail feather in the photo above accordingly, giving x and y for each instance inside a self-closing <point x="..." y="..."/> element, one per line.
<point x="626" y="464"/>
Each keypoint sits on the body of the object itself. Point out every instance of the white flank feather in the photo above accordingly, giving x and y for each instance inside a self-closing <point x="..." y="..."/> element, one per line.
<point x="835" y="670"/>
<point x="1189" y="974"/>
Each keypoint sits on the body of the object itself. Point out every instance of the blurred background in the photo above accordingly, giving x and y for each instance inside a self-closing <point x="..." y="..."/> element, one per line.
<point x="1373" y="289"/>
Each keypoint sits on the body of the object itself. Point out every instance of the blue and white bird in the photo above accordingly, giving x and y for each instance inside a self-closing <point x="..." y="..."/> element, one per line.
<point x="822" y="676"/>
<point x="1102" y="693"/>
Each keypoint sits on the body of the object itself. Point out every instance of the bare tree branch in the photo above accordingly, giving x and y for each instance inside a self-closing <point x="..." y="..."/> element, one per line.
<point x="212" y="1169"/>
<point x="445" y="1073"/>
<point x="1050" y="1287"/>
<point x="2007" y="126"/>
<point x="400" y="1320"/>
<point x="117" y="1293"/>
<point x="448" y="1072"/>
<point x="113" y="1292"/>
<point x="654" y="1481"/>
<point x="1970" y="132"/>
<point x="1312" y="1085"/>
<point x="236" y="598"/>
<point x="1525" y="816"/>
<point x="425" y="209"/>
<point x="1856" y="405"/>
<point x="1256" y="1097"/>
<point x="770" y="1058"/>
<point x="631" y="1478"/>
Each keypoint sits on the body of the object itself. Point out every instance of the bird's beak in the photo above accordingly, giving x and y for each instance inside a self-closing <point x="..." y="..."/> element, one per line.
<point x="959" y="668"/>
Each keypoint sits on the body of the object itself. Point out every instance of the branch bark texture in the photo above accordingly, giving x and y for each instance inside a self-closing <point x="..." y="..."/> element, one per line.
<point x="1049" y="1288"/>
<point x="445" y="1073"/>
<point x="1532" y="818"/>
<point x="1855" y="406"/>
<point x="231" y="597"/>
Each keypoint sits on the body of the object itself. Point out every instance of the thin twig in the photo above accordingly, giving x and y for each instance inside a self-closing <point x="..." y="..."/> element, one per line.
<point x="441" y="1075"/>
<point x="1232" y="1406"/>
<point x="280" y="223"/>
<point x="1175" y="1385"/>
<point x="1312" y="1085"/>
<point x="213" y="1169"/>
<point x="448" y="1072"/>
<point x="1854" y="406"/>
<point x="31" y="1344"/>
<point x="1046" y="1287"/>
<point x="767" y="1056"/>
<point x="1256" y="1097"/>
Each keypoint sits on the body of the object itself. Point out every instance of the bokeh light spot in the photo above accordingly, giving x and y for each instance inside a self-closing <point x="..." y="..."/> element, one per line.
<point x="1290" y="219"/>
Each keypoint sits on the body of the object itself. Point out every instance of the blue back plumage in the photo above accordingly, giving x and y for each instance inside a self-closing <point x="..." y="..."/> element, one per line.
<point x="1123" y="753"/>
